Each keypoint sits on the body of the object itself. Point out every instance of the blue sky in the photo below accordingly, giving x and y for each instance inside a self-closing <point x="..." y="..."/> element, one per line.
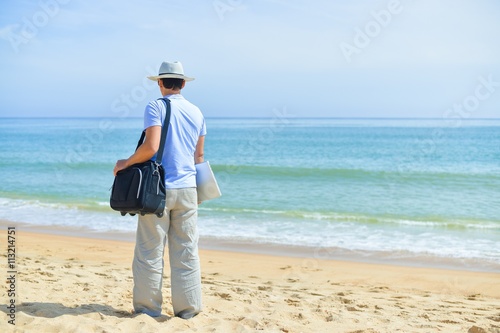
<point x="357" y="58"/>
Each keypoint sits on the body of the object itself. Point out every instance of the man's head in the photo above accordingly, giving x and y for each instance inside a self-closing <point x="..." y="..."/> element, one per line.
<point x="170" y="83"/>
<point x="170" y="86"/>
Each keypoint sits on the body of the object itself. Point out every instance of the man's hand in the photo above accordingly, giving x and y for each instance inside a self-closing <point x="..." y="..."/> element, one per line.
<point x="145" y="151"/>
<point x="120" y="165"/>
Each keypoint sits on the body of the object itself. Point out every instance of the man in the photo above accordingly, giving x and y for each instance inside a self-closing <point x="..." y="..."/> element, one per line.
<point x="178" y="226"/>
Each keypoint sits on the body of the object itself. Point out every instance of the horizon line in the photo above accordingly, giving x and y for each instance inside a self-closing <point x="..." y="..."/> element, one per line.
<point x="249" y="117"/>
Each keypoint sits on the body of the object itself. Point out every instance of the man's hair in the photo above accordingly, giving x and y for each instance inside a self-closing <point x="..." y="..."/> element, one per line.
<point x="171" y="83"/>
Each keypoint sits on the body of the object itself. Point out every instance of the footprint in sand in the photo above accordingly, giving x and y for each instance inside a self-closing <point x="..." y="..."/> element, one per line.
<point x="265" y="288"/>
<point x="473" y="297"/>
<point x="225" y="296"/>
<point x="46" y="274"/>
<point x="346" y="300"/>
<point x="378" y="289"/>
<point x="352" y="308"/>
<point x="292" y="302"/>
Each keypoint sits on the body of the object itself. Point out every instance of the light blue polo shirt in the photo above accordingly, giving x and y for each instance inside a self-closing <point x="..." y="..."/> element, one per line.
<point x="187" y="124"/>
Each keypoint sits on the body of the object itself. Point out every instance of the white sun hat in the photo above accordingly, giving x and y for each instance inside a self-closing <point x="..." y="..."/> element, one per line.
<point x="172" y="70"/>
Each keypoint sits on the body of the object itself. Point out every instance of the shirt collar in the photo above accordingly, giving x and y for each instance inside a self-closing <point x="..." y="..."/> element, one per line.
<point x="174" y="96"/>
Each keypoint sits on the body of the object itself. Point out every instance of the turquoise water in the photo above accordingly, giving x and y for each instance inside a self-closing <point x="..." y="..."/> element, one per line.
<point x="373" y="188"/>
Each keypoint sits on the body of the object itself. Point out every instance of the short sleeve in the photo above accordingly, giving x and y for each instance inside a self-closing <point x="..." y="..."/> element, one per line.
<point x="152" y="115"/>
<point x="203" y="130"/>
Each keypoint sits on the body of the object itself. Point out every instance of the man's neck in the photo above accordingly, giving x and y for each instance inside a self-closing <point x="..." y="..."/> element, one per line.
<point x="166" y="92"/>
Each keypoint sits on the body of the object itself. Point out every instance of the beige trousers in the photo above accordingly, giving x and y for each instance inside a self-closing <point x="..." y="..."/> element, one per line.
<point x="177" y="228"/>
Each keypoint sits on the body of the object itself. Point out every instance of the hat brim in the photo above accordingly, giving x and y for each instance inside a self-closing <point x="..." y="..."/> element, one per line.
<point x="171" y="76"/>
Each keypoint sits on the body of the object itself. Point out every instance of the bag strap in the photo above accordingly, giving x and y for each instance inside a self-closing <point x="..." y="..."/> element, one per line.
<point x="164" y="131"/>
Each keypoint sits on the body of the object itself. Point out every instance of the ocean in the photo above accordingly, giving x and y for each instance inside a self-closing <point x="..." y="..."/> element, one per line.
<point x="414" y="191"/>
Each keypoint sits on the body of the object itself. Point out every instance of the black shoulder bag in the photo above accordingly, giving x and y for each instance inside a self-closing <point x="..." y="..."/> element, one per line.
<point x="140" y="188"/>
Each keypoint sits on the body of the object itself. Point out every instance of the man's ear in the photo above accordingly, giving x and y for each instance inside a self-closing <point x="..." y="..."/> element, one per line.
<point x="160" y="83"/>
<point x="183" y="83"/>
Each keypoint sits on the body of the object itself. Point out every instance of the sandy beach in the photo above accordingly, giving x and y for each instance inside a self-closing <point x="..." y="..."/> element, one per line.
<point x="73" y="284"/>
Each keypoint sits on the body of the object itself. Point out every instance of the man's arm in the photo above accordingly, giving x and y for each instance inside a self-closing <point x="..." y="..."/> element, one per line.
<point x="198" y="154"/>
<point x="145" y="151"/>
